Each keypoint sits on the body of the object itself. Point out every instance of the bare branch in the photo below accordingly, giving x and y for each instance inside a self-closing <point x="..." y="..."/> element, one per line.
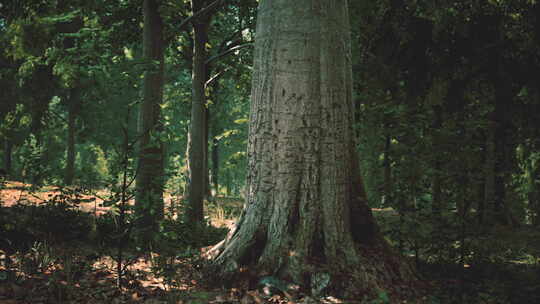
<point x="227" y="52"/>
<point x="216" y="77"/>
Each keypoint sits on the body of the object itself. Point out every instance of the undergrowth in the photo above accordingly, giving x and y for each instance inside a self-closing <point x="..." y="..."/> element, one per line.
<point x="54" y="252"/>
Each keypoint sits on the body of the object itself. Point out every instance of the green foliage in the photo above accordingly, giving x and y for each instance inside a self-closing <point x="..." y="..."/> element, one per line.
<point x="93" y="166"/>
<point x="176" y="235"/>
<point x="29" y="37"/>
<point x="382" y="298"/>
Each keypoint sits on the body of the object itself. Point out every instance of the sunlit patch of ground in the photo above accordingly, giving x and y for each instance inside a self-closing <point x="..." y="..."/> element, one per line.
<point x="222" y="212"/>
<point x="73" y="277"/>
<point x="96" y="282"/>
<point x="13" y="192"/>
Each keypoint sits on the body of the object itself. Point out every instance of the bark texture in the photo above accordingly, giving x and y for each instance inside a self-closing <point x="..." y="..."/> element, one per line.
<point x="149" y="195"/>
<point x="198" y="144"/>
<point x="306" y="219"/>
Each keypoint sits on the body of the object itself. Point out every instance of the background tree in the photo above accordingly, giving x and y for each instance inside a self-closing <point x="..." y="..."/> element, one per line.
<point x="198" y="142"/>
<point x="150" y="179"/>
<point x="203" y="85"/>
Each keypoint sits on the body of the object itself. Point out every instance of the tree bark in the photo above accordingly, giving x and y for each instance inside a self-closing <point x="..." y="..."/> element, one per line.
<point x="500" y="158"/>
<point x="149" y="195"/>
<point x="496" y="160"/>
<point x="387" y="177"/>
<point x="213" y="172"/>
<point x="197" y="169"/>
<point x="206" y="141"/>
<point x="306" y="215"/>
<point x="533" y="198"/>
<point x="8" y="150"/>
<point x="489" y="172"/>
<point x="215" y="165"/>
<point x="436" y="186"/>
<point x="73" y="106"/>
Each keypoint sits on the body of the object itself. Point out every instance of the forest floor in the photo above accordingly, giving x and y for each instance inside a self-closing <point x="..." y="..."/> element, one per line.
<point x="77" y="271"/>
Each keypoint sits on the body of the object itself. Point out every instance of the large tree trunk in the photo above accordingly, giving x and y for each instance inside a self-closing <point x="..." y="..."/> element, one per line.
<point x="306" y="217"/>
<point x="149" y="194"/>
<point x="197" y="151"/>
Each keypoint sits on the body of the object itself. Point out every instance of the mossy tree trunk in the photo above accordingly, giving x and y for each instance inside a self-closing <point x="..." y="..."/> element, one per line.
<point x="306" y="215"/>
<point x="149" y="194"/>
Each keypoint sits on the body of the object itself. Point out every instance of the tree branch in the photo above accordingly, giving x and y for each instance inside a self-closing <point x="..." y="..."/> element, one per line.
<point x="227" y="52"/>
<point x="201" y="12"/>
<point x="223" y="44"/>
<point x="216" y="77"/>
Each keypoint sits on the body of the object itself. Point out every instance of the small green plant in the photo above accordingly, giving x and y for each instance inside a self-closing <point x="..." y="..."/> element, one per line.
<point x="38" y="259"/>
<point x="382" y="298"/>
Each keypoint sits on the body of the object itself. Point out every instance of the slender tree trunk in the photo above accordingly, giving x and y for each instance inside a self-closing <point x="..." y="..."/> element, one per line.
<point x="306" y="218"/>
<point x="533" y="196"/>
<point x="387" y="172"/>
<point x="496" y="160"/>
<point x="489" y="171"/>
<point x="214" y="156"/>
<point x="197" y="181"/>
<point x="206" y="141"/>
<point x="149" y="195"/>
<point x="500" y="160"/>
<point x="387" y="161"/>
<point x="228" y="184"/>
<point x="71" y="151"/>
<point x="533" y="193"/>
<point x="534" y="205"/>
<point x="482" y="185"/>
<point x="215" y="165"/>
<point x="503" y="152"/>
<point x="8" y="151"/>
<point x="436" y="185"/>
